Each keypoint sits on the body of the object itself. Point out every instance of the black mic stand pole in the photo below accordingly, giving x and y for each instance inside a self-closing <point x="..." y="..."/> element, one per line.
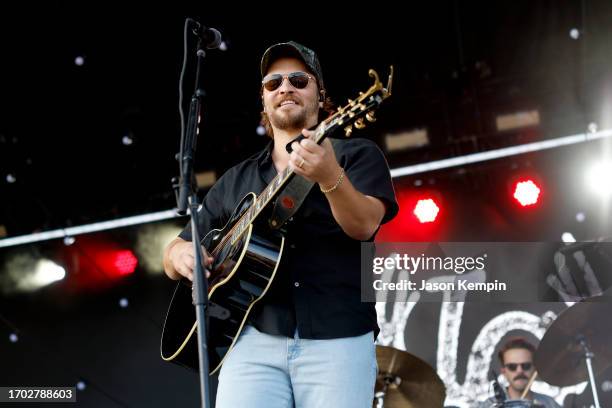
<point x="188" y="197"/>
<point x="500" y="395"/>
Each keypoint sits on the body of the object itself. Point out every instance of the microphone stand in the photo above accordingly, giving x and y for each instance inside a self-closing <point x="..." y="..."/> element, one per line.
<point x="187" y="197"/>
<point x="588" y="357"/>
<point x="500" y="395"/>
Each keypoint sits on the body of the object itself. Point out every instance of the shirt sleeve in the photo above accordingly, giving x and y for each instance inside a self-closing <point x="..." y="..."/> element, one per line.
<point x="212" y="213"/>
<point x="367" y="169"/>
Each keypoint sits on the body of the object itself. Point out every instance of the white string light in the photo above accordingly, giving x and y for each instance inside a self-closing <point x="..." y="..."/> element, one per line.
<point x="395" y="173"/>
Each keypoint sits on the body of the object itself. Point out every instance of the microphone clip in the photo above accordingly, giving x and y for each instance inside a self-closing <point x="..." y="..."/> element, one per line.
<point x="210" y="37"/>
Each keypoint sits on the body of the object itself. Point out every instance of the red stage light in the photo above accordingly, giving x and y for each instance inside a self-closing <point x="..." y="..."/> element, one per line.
<point x="125" y="262"/>
<point x="426" y="210"/>
<point x="116" y="263"/>
<point x="422" y="217"/>
<point x="97" y="263"/>
<point x="526" y="192"/>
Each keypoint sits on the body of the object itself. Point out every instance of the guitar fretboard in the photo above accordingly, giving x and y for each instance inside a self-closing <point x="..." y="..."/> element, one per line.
<point x="271" y="189"/>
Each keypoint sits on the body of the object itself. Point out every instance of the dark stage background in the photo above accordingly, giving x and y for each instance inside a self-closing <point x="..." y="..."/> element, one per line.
<point x="93" y="139"/>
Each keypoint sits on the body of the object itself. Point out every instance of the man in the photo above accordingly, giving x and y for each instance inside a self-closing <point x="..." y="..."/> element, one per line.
<point x="516" y="358"/>
<point x="309" y="341"/>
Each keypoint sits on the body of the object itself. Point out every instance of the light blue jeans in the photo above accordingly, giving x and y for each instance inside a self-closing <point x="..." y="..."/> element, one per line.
<point x="280" y="372"/>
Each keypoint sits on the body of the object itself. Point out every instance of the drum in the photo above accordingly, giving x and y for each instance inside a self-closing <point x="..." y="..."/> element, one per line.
<point x="517" y="404"/>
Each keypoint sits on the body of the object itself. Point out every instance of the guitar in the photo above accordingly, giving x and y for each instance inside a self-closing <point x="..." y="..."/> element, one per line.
<point x="247" y="254"/>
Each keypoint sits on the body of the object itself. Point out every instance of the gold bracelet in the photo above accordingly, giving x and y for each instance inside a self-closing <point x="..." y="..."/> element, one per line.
<point x="338" y="182"/>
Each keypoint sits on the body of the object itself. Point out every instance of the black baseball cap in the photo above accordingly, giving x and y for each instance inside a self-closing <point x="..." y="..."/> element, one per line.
<point x="293" y="49"/>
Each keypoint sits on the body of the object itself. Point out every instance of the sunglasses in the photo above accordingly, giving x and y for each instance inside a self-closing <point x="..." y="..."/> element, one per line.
<point x="514" y="366"/>
<point x="298" y="80"/>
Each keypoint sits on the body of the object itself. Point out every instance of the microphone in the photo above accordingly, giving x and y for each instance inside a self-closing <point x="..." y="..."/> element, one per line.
<point x="500" y="395"/>
<point x="210" y="37"/>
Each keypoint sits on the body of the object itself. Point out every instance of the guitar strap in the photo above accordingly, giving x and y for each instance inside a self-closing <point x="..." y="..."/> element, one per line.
<point x="292" y="197"/>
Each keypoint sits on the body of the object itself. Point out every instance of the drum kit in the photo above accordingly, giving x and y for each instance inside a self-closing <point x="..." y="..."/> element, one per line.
<point x="406" y="381"/>
<point x="575" y="348"/>
<point x="578" y="345"/>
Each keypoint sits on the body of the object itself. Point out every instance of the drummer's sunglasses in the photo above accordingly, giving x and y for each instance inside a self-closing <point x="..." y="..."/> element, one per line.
<point x="514" y="366"/>
<point x="298" y="80"/>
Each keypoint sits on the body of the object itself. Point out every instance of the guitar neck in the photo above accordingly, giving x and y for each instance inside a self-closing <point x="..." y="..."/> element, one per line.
<point x="273" y="188"/>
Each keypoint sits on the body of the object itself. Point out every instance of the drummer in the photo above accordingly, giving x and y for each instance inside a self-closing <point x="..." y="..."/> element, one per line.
<point x="516" y="358"/>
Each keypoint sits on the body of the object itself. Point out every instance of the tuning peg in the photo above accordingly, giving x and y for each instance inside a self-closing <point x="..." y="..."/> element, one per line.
<point x="359" y="123"/>
<point x="370" y="117"/>
<point x="350" y="102"/>
<point x="348" y="130"/>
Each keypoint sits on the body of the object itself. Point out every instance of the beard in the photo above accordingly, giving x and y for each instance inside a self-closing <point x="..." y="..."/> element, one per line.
<point x="295" y="119"/>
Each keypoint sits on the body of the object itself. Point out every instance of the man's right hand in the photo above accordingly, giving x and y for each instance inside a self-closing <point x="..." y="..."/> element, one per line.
<point x="179" y="259"/>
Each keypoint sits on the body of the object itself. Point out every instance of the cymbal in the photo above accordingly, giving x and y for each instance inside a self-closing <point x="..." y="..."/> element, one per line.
<point x="419" y="385"/>
<point x="560" y="357"/>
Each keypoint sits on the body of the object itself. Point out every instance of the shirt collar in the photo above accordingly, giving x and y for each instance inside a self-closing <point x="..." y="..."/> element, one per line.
<point x="265" y="157"/>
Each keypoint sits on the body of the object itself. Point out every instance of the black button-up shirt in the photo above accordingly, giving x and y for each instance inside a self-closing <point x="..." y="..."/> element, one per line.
<point x="317" y="284"/>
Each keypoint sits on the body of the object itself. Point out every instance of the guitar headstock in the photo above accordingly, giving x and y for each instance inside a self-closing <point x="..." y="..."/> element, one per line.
<point x="358" y="111"/>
